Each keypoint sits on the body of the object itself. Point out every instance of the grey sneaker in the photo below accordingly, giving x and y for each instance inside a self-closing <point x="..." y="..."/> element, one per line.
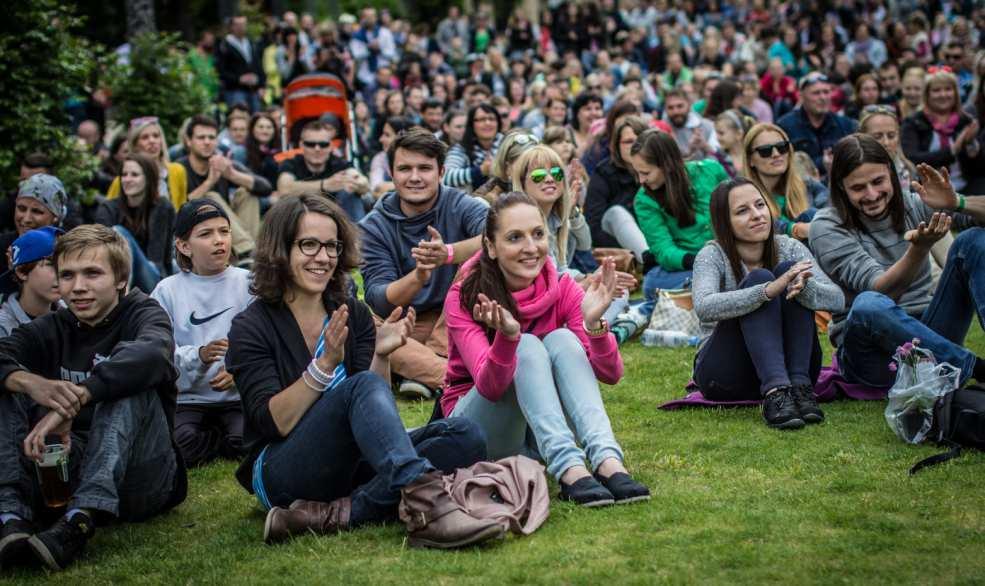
<point x="411" y="389"/>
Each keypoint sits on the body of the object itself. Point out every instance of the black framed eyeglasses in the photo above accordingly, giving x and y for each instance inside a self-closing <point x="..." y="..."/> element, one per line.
<point x="322" y="144"/>
<point x="766" y="150"/>
<point x="311" y="247"/>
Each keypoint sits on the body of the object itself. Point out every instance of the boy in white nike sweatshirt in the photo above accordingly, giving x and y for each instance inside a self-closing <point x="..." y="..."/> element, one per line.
<point x="202" y="301"/>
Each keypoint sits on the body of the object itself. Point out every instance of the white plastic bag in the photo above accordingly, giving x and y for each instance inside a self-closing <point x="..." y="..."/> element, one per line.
<point x="920" y="382"/>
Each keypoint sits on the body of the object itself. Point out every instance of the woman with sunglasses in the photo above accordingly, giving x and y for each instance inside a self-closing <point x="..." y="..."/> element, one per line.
<point x="562" y="142"/>
<point x="146" y="137"/>
<point x="755" y="292"/>
<point x="942" y="134"/>
<point x="515" y="143"/>
<point x="672" y="208"/>
<point x="526" y="349"/>
<point x="539" y="172"/>
<point x="793" y="199"/>
<point x="469" y="163"/>
<point x="321" y="430"/>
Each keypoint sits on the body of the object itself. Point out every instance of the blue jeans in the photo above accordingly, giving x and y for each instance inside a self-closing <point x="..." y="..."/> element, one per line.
<point x="144" y="274"/>
<point x="351" y="442"/>
<point x="660" y="278"/>
<point x="555" y="393"/>
<point x="876" y="326"/>
<point x="773" y="346"/>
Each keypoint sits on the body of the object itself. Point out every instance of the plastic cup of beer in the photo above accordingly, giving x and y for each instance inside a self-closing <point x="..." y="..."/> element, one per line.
<point x="53" y="475"/>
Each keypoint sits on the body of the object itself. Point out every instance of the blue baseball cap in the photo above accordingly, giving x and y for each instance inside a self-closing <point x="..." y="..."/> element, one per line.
<point x="32" y="246"/>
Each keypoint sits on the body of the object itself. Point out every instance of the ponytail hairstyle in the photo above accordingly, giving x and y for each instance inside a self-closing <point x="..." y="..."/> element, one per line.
<point x="721" y="224"/>
<point x="660" y="150"/>
<point x="486" y="277"/>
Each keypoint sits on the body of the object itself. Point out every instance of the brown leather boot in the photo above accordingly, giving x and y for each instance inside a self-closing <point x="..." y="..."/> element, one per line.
<point x="434" y="519"/>
<point x="304" y="516"/>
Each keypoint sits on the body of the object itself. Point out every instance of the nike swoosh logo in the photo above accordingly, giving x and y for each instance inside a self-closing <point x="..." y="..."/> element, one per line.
<point x="197" y="321"/>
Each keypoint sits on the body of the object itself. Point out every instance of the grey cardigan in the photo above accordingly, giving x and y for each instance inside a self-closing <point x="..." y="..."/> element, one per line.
<point x="717" y="296"/>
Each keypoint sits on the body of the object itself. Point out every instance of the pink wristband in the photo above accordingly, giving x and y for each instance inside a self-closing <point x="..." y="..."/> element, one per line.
<point x="451" y="254"/>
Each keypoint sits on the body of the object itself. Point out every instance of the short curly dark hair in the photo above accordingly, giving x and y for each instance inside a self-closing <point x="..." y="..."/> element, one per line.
<point x="272" y="264"/>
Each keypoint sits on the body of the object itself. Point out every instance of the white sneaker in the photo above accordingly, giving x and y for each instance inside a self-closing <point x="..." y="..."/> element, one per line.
<point x="411" y="389"/>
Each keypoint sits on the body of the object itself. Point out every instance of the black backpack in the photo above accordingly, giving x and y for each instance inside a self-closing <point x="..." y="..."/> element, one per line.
<point x="959" y="422"/>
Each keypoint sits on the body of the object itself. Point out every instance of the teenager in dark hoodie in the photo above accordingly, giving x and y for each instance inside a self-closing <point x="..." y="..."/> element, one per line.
<point x="412" y="242"/>
<point x="99" y="374"/>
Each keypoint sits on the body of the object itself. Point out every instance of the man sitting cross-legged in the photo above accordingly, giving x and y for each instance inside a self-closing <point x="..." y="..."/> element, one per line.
<point x="98" y="374"/>
<point x="412" y="243"/>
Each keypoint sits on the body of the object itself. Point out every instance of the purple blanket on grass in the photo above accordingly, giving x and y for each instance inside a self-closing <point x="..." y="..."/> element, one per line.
<point x="830" y="386"/>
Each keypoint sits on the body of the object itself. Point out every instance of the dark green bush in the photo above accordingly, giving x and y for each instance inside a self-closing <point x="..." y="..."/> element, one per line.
<point x="43" y="65"/>
<point x="157" y="81"/>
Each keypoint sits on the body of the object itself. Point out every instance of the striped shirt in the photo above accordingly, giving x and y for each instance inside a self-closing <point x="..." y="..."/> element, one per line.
<point x="462" y="169"/>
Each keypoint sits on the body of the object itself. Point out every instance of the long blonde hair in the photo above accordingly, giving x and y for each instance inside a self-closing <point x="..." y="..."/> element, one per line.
<point x="541" y="156"/>
<point x="791" y="183"/>
<point x="133" y="134"/>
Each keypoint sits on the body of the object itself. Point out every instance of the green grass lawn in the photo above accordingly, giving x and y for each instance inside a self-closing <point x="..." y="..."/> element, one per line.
<point x="732" y="501"/>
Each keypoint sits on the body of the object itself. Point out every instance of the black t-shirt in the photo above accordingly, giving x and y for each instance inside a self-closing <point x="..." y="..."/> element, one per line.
<point x="295" y="166"/>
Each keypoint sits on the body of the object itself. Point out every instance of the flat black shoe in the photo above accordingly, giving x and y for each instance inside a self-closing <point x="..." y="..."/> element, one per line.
<point x="624" y="488"/>
<point x="803" y="397"/>
<point x="780" y="410"/>
<point x="62" y="543"/>
<point x="13" y="542"/>
<point x="586" y="492"/>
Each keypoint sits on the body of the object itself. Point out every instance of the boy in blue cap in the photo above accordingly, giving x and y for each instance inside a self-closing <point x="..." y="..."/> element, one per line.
<point x="33" y="273"/>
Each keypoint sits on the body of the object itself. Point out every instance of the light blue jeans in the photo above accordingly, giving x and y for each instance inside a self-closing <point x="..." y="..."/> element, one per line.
<point x="556" y="395"/>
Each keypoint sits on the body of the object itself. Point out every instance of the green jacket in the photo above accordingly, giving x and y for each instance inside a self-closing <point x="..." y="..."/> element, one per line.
<point x="667" y="241"/>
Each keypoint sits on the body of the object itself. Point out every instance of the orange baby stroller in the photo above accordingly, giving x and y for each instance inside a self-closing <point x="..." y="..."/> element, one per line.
<point x="309" y="97"/>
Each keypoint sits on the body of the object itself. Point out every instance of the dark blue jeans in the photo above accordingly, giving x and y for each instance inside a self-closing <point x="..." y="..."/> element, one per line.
<point x="351" y="442"/>
<point x="876" y="326"/>
<point x="124" y="465"/>
<point x="774" y="346"/>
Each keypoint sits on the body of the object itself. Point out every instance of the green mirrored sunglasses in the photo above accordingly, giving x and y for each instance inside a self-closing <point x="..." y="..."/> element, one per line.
<point x="538" y="175"/>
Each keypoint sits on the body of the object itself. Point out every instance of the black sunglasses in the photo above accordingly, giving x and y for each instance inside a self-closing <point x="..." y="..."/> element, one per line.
<point x="322" y="144"/>
<point x="311" y="247"/>
<point x="782" y="147"/>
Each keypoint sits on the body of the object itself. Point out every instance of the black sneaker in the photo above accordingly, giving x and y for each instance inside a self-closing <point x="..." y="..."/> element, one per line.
<point x="624" y="489"/>
<point x="586" y="492"/>
<point x="803" y="396"/>
<point x="59" y="545"/>
<point x="13" y="542"/>
<point x="780" y="410"/>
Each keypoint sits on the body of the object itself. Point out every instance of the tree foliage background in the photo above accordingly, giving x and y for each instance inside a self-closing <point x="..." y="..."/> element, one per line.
<point x="157" y="80"/>
<point x="43" y="65"/>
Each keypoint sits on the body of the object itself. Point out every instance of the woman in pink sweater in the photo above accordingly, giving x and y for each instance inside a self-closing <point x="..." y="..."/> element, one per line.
<point x="524" y="351"/>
